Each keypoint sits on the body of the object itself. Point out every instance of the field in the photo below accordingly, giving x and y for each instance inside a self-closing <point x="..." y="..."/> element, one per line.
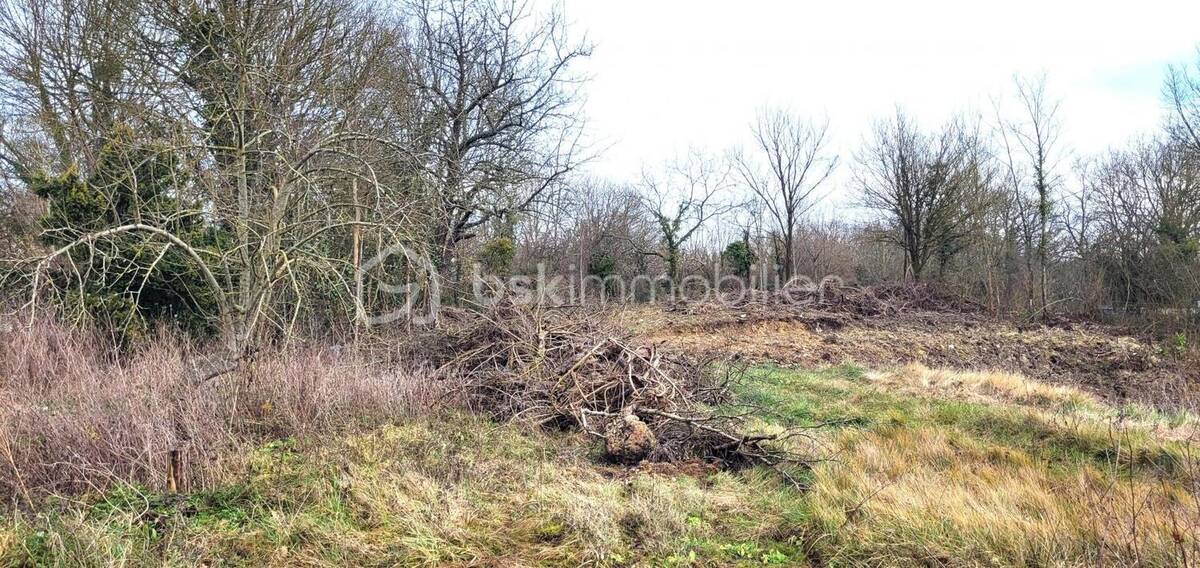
<point x="913" y="465"/>
<point x="496" y="283"/>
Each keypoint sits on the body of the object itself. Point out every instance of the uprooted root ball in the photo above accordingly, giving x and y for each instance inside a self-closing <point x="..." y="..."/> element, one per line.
<point x="628" y="439"/>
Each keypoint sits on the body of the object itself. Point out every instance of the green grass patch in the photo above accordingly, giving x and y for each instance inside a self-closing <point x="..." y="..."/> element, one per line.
<point x="1063" y="440"/>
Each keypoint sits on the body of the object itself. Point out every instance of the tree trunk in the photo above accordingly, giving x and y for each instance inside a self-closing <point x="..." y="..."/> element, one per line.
<point x="356" y="252"/>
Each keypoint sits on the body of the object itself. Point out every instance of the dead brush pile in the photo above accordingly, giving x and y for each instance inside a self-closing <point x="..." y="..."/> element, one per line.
<point x="578" y="371"/>
<point x="899" y="297"/>
<point x="888" y="299"/>
<point x="832" y="302"/>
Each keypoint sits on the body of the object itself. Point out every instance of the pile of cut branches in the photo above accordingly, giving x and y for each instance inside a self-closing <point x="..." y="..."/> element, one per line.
<point x="899" y="297"/>
<point x="834" y="298"/>
<point x="576" y="371"/>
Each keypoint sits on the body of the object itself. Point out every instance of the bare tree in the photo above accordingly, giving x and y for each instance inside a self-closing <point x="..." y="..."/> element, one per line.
<point x="271" y="106"/>
<point x="682" y="200"/>
<point x="70" y="74"/>
<point x="285" y="91"/>
<point x="825" y="248"/>
<point x="1147" y="208"/>
<point x="1182" y="91"/>
<point x="1037" y="135"/>
<point x="496" y="90"/>
<point x="787" y="165"/>
<point x="931" y="187"/>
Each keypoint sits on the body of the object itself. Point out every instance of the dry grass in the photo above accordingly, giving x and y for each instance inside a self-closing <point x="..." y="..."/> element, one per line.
<point x="297" y="460"/>
<point x="985" y="386"/>
<point x="931" y="495"/>
<point x="72" y="418"/>
<point x="993" y="469"/>
<point x="450" y="492"/>
<point x="934" y="469"/>
<point x="1098" y="359"/>
<point x="1047" y="403"/>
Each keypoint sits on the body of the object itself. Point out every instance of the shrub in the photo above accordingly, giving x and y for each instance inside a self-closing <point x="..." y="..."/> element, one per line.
<point x="602" y="264"/>
<point x="497" y="255"/>
<point x="129" y="281"/>
<point x="739" y="258"/>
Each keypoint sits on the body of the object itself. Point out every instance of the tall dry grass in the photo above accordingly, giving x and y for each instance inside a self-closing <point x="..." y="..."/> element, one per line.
<point x="74" y="417"/>
<point x="901" y="495"/>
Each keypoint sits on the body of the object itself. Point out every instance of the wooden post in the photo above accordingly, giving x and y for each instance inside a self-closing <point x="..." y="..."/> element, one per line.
<point x="174" y="471"/>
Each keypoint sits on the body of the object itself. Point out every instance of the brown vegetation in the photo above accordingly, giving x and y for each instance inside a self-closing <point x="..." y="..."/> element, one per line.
<point x="898" y="324"/>
<point x="259" y="182"/>
<point x="74" y="419"/>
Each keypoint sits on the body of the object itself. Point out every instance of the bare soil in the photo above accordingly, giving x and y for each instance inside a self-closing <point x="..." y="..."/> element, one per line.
<point x="1116" y="366"/>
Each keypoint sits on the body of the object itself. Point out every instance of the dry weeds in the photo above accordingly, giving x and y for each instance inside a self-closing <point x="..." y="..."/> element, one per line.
<point x="73" y="417"/>
<point x="934" y="495"/>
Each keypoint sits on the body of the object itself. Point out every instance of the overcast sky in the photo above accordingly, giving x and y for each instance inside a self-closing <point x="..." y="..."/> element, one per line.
<point x="669" y="74"/>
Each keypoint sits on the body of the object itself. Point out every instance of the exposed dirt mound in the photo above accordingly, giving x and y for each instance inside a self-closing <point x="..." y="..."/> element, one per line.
<point x="900" y="324"/>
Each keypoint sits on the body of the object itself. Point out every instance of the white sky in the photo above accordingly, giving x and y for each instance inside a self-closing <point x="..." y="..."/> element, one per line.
<point x="667" y="74"/>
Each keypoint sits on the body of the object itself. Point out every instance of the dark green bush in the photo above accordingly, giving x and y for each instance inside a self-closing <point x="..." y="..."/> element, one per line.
<point x="739" y="258"/>
<point x="131" y="280"/>
<point x="497" y="256"/>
